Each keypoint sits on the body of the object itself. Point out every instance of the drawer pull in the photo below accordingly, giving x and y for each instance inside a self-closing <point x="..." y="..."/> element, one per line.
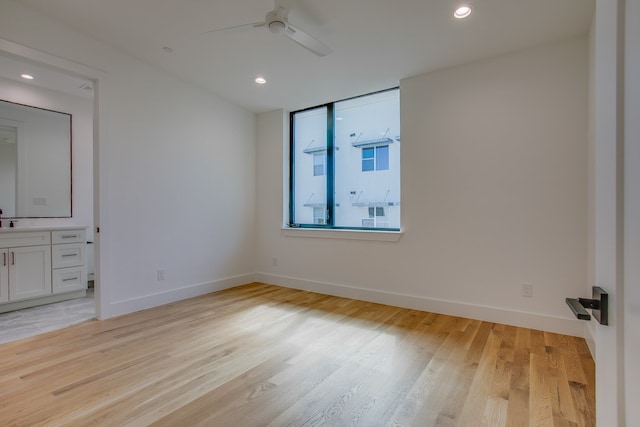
<point x="69" y="236"/>
<point x="69" y="255"/>
<point x="4" y="259"/>
<point x="70" y="279"/>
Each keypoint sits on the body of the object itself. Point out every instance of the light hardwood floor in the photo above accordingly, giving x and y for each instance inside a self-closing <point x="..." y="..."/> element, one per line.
<point x="261" y="355"/>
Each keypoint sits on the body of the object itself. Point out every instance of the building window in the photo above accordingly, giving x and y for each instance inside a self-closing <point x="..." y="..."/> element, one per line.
<point x="375" y="158"/>
<point x="377" y="218"/>
<point x="334" y="150"/>
<point x="318" y="164"/>
<point x="374" y="212"/>
<point x="319" y="215"/>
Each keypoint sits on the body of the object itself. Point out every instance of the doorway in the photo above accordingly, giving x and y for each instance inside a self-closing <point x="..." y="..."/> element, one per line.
<point x="66" y="81"/>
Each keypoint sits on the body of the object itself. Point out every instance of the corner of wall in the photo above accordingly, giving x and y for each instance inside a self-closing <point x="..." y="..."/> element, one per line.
<point x="589" y="337"/>
<point x="127" y="306"/>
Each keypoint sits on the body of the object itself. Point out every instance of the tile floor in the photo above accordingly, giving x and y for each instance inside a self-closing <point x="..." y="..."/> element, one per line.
<point x="19" y="324"/>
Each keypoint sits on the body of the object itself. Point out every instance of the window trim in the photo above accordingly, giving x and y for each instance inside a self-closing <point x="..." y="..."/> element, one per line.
<point x="329" y="174"/>
<point x="378" y="235"/>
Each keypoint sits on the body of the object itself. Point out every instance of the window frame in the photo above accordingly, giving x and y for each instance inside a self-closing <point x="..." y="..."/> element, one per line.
<point x="329" y="171"/>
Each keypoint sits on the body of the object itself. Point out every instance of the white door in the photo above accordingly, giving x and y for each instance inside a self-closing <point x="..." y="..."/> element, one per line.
<point x="632" y="214"/>
<point x="617" y="209"/>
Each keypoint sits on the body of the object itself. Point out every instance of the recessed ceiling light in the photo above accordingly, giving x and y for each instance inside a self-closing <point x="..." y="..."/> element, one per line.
<point x="462" y="11"/>
<point x="27" y="76"/>
<point x="260" y="80"/>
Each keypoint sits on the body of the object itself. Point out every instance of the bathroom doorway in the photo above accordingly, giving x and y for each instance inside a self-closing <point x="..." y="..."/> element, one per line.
<point x="69" y="84"/>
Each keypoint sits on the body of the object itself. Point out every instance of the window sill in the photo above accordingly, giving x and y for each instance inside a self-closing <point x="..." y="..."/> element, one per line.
<point x="380" y="236"/>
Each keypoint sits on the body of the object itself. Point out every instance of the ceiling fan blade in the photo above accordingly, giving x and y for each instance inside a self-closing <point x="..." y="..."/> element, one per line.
<point x="307" y="41"/>
<point x="236" y="28"/>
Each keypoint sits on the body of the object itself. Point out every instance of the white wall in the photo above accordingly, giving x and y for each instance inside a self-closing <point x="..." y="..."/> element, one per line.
<point x="176" y="168"/>
<point x="494" y="195"/>
<point x="495" y="177"/>
<point x="81" y="110"/>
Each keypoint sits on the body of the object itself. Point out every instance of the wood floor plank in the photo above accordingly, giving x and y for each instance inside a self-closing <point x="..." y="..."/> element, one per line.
<point x="541" y="392"/>
<point x="519" y="383"/>
<point x="260" y="355"/>
<point x="480" y="390"/>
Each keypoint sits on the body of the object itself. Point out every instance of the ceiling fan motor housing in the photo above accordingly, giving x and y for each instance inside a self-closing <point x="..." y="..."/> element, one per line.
<point x="277" y="27"/>
<point x="276" y="20"/>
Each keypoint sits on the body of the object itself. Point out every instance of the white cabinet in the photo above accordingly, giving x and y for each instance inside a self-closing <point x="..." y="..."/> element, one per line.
<point x="69" y="260"/>
<point x="36" y="265"/>
<point x="26" y="265"/>
<point x="29" y="272"/>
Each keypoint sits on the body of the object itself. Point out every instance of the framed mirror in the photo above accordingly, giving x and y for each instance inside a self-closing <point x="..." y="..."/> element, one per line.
<point x="35" y="162"/>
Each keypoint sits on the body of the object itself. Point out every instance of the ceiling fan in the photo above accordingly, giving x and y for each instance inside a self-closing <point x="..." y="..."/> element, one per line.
<point x="276" y="21"/>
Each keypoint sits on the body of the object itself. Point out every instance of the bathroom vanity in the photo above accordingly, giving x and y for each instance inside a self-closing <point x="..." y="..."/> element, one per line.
<point x="41" y="265"/>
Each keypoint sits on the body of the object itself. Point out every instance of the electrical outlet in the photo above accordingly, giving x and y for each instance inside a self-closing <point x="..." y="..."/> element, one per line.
<point x="274" y="261"/>
<point x="161" y="274"/>
<point x="527" y="290"/>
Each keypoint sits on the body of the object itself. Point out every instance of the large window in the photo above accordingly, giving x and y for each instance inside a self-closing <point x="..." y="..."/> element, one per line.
<point x="345" y="164"/>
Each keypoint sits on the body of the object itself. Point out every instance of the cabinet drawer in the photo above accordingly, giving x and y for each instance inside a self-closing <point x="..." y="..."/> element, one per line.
<point x="69" y="255"/>
<point x="68" y="236"/>
<point x="69" y="279"/>
<point x="15" y="239"/>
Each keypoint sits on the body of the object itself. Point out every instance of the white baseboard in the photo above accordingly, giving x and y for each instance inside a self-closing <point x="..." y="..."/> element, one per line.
<point x="148" y="301"/>
<point x="561" y="325"/>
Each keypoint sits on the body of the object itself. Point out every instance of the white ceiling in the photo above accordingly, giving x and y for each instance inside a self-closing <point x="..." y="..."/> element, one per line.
<point x="375" y="43"/>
